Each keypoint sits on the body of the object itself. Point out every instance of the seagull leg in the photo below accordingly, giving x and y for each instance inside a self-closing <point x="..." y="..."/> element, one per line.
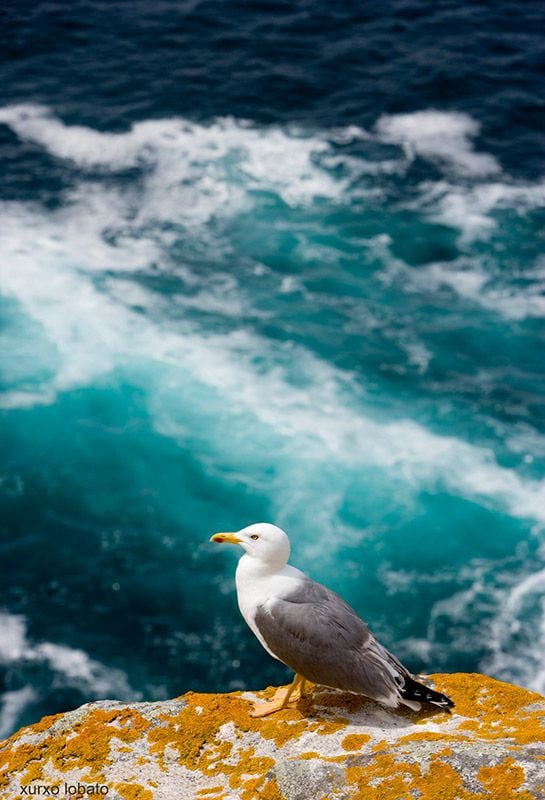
<point x="281" y="698"/>
<point x="296" y="693"/>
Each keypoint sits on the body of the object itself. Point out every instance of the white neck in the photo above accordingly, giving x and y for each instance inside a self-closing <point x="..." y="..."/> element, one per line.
<point x="251" y="568"/>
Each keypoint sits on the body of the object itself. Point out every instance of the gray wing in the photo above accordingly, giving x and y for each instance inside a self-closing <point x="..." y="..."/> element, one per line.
<point x="315" y="633"/>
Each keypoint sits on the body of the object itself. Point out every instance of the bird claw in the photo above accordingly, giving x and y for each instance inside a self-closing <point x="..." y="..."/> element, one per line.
<point x="281" y="693"/>
<point x="271" y="706"/>
<point x="283" y="698"/>
<point x="264" y="709"/>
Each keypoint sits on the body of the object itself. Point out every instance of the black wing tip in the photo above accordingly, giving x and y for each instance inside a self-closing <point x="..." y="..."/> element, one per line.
<point x="441" y="700"/>
<point x="413" y="690"/>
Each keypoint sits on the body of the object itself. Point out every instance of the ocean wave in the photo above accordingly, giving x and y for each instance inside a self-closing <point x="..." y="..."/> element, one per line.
<point x="473" y="209"/>
<point x="154" y="279"/>
<point x="442" y="136"/>
<point x="473" y="282"/>
<point x="518" y="633"/>
<point x="476" y="281"/>
<point x="500" y="611"/>
<point x="318" y="420"/>
<point x="61" y="666"/>
<point x="12" y="705"/>
<point x="51" y="260"/>
<point x="190" y="173"/>
<point x="191" y="170"/>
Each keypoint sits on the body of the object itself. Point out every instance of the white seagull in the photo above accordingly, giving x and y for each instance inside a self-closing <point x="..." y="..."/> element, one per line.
<point x="312" y="630"/>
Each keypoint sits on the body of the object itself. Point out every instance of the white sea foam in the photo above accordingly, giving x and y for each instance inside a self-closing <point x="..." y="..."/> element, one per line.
<point x="471" y="205"/>
<point x="262" y="391"/>
<point x="473" y="209"/>
<point x="75" y="668"/>
<point x="495" y="614"/>
<point x="320" y="420"/>
<point x="193" y="170"/>
<point x="13" y="641"/>
<point x="418" y="354"/>
<point x="518" y="634"/>
<point x="475" y="279"/>
<point x="443" y="136"/>
<point x="93" y="333"/>
<point x="92" y="330"/>
<point x="70" y="666"/>
<point x="524" y="439"/>
<point x="88" y="148"/>
<point x="475" y="284"/>
<point x="12" y="705"/>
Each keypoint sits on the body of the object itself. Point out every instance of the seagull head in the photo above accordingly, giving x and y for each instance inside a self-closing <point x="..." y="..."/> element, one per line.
<point x="263" y="541"/>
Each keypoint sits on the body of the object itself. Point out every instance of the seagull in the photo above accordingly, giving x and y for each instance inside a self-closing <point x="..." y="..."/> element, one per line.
<point x="312" y="630"/>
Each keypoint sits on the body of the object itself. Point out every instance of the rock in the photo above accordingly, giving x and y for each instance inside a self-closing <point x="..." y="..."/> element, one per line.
<point x="207" y="747"/>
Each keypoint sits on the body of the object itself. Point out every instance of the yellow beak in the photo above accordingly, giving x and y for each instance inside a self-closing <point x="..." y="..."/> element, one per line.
<point x="225" y="537"/>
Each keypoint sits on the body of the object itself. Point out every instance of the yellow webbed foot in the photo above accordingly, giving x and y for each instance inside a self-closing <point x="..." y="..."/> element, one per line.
<point x="283" y="697"/>
<point x="264" y="709"/>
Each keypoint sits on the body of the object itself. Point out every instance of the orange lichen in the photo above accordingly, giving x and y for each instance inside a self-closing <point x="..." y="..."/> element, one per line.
<point x="247" y="764"/>
<point x="87" y="747"/>
<point x="354" y="741"/>
<point x="32" y="773"/>
<point x="502" y="780"/>
<point x="133" y="791"/>
<point x="200" y="746"/>
<point x="195" y="737"/>
<point x="383" y="779"/>
<point x="309" y="754"/>
<point x="269" y="791"/>
<point x="38" y="727"/>
<point x="90" y="745"/>
<point x="427" y="736"/>
<point x="496" y="710"/>
<point x="354" y="775"/>
<point x="327" y="726"/>
<point x="388" y="778"/>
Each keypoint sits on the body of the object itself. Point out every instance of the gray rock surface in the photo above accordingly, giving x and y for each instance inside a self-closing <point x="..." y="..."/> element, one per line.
<point x="331" y="746"/>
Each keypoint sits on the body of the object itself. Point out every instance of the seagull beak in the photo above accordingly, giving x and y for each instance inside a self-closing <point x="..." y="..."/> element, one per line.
<point x="225" y="537"/>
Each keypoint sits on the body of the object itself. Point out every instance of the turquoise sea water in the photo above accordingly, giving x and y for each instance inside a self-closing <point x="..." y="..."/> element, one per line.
<point x="210" y="317"/>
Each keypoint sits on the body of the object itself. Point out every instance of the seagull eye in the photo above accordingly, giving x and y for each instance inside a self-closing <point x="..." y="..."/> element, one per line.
<point x="254" y="536"/>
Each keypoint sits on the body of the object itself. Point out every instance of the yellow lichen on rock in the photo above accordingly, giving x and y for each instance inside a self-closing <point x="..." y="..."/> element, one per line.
<point x="339" y="746"/>
<point x="502" y="709"/>
<point x="355" y="741"/>
<point x="133" y="791"/>
<point x="503" y="781"/>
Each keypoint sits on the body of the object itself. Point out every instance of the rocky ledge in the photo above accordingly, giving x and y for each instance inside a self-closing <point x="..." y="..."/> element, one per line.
<point x="207" y="747"/>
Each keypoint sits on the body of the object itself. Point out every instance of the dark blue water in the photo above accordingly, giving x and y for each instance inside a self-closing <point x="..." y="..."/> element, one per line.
<point x="268" y="261"/>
